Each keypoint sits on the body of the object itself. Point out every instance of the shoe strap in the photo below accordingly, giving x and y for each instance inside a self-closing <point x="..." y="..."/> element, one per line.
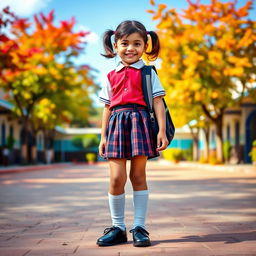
<point x="139" y="229"/>
<point x="107" y="230"/>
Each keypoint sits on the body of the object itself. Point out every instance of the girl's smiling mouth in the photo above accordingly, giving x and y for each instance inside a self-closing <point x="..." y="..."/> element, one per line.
<point x="130" y="54"/>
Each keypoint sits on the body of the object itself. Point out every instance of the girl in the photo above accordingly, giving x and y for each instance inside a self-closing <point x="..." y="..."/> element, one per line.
<point x="126" y="132"/>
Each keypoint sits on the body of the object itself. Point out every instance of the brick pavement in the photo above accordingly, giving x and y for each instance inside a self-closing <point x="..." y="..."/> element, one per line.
<point x="192" y="211"/>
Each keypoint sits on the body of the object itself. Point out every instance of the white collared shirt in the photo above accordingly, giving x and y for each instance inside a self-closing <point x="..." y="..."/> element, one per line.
<point x="105" y="95"/>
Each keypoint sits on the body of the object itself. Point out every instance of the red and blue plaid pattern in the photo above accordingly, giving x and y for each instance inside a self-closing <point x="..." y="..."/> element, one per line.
<point x="129" y="134"/>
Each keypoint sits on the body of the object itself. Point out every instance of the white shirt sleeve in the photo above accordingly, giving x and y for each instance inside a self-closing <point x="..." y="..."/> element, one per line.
<point x="157" y="88"/>
<point x="105" y="92"/>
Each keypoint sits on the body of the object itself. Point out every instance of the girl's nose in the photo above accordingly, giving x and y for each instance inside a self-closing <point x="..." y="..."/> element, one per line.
<point x="130" y="47"/>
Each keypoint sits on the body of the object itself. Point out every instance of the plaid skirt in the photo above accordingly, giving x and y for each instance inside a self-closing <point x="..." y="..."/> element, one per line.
<point x="129" y="133"/>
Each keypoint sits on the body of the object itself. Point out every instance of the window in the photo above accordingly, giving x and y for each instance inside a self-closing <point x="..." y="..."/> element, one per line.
<point x="3" y="135"/>
<point x="228" y="132"/>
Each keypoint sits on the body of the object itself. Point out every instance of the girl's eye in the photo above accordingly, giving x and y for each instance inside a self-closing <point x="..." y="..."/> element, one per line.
<point x="123" y="44"/>
<point x="137" y="44"/>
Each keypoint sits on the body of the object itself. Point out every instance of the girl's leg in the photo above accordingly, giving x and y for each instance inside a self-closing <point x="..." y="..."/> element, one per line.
<point x="117" y="233"/>
<point x="116" y="194"/>
<point x="140" y="193"/>
<point x="118" y="176"/>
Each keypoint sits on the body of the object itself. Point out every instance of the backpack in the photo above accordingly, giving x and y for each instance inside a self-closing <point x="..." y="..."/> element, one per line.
<point x="147" y="92"/>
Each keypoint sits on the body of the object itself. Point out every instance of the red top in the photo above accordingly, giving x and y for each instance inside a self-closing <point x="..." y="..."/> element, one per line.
<point x="126" y="86"/>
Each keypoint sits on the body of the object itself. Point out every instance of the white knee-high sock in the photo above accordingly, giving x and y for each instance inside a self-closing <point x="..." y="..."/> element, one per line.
<point x="140" y="203"/>
<point x="116" y="205"/>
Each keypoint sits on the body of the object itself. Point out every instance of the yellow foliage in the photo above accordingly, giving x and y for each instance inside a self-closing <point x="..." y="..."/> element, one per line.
<point x="239" y="62"/>
<point x="165" y="23"/>
<point x="237" y="71"/>
<point x="152" y="2"/>
<point x="26" y="95"/>
<point x="161" y="7"/>
<point x="227" y="42"/>
<point x="217" y="74"/>
<point x="195" y="86"/>
<point x="198" y="96"/>
<point x="189" y="72"/>
<point x="197" y="53"/>
<point x="40" y="70"/>
<point x="44" y="101"/>
<point x="215" y="95"/>
<point x="192" y="60"/>
<point x="151" y="11"/>
<point x="157" y="16"/>
<point x="215" y="57"/>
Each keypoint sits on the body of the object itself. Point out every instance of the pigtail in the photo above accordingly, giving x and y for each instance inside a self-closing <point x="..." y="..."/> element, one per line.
<point x="109" y="51"/>
<point x="155" y="45"/>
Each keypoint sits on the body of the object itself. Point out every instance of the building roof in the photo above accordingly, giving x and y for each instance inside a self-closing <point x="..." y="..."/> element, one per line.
<point x="184" y="129"/>
<point x="6" y="104"/>
<point x="78" y="131"/>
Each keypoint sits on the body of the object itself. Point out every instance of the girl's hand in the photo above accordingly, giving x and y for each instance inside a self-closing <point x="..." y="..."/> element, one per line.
<point x="162" y="141"/>
<point x="102" y="147"/>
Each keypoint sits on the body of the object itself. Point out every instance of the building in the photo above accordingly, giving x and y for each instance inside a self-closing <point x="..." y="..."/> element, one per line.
<point x="239" y="128"/>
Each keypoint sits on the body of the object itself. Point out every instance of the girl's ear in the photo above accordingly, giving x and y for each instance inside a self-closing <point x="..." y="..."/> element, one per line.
<point x="115" y="46"/>
<point x="146" y="46"/>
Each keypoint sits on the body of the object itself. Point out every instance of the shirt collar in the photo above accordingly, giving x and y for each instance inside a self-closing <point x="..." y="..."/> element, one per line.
<point x="138" y="65"/>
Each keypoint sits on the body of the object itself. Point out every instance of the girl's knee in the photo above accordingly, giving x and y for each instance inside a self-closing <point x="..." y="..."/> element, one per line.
<point x="117" y="182"/>
<point x="138" y="179"/>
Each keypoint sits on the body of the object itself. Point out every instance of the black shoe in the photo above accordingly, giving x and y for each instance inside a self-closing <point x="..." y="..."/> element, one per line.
<point x="112" y="236"/>
<point x="140" y="237"/>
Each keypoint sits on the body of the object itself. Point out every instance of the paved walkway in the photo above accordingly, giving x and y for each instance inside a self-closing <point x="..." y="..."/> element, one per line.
<point x="192" y="212"/>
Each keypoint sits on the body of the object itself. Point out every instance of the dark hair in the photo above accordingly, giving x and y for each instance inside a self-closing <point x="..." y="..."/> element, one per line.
<point x="127" y="28"/>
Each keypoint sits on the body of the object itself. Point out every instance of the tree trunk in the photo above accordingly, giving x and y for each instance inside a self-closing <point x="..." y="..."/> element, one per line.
<point x="24" y="153"/>
<point x="195" y="143"/>
<point x="48" y="148"/>
<point x="206" y="131"/>
<point x="24" y="136"/>
<point x="219" y="138"/>
<point x="195" y="150"/>
<point x="218" y="125"/>
<point x="33" y="148"/>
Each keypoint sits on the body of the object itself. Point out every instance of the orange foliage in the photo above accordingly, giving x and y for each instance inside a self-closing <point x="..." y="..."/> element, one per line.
<point x="203" y="49"/>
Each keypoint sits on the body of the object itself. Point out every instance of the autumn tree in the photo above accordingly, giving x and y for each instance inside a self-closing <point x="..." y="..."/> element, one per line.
<point x="205" y="51"/>
<point x="41" y="79"/>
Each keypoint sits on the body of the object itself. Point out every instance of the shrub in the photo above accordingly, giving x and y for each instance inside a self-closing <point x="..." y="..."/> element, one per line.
<point x="86" y="141"/>
<point x="90" y="157"/>
<point x="77" y="142"/>
<point x="226" y="150"/>
<point x="173" y="154"/>
<point x="10" y="142"/>
<point x="203" y="160"/>
<point x="90" y="140"/>
<point x="213" y="158"/>
<point x="188" y="153"/>
<point x="252" y="153"/>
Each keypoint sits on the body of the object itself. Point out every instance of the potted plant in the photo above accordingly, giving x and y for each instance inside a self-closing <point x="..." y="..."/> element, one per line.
<point x="173" y="154"/>
<point x="213" y="160"/>
<point x="227" y="150"/>
<point x="252" y="153"/>
<point x="90" y="157"/>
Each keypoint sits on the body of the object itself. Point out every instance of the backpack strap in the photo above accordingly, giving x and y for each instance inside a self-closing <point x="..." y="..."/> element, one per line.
<point x="147" y="87"/>
<point x="148" y="96"/>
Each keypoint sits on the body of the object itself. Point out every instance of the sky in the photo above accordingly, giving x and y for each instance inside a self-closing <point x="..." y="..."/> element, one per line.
<point x="96" y="16"/>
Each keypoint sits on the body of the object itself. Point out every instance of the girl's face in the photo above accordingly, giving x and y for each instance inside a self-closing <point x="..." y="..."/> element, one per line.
<point x="130" y="48"/>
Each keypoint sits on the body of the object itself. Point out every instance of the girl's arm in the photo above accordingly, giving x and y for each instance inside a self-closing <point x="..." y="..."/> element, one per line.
<point x="162" y="140"/>
<point x="105" y="117"/>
